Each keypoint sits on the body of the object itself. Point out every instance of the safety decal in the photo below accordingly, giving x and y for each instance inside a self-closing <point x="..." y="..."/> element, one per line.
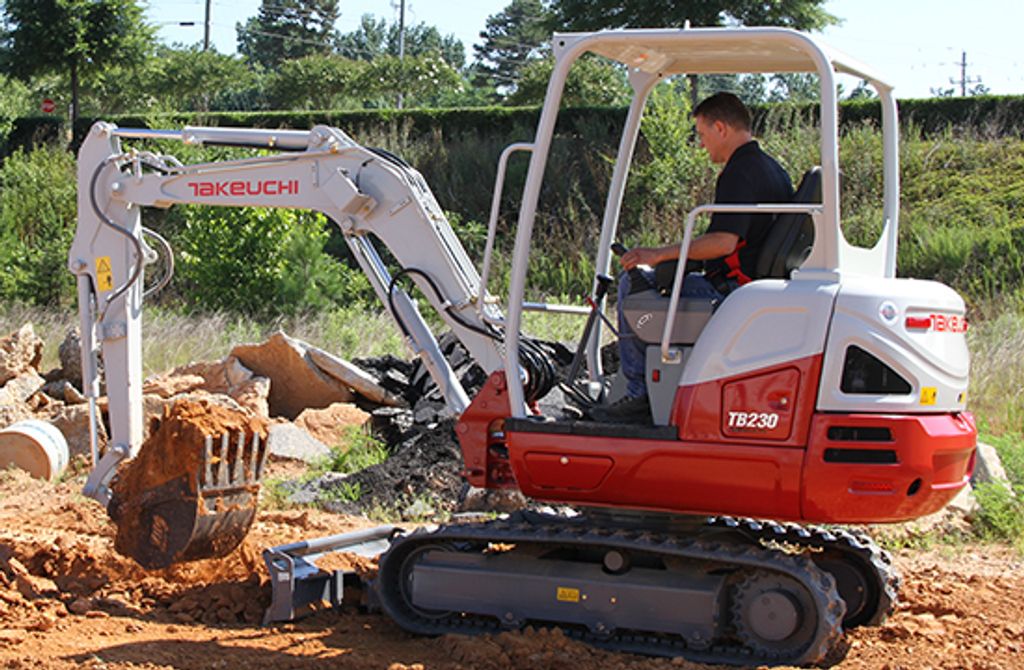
<point x="104" y="274"/>
<point x="929" y="395"/>
<point x="567" y="595"/>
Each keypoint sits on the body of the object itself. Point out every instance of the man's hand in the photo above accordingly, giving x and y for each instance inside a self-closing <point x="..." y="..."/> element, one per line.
<point x="642" y="256"/>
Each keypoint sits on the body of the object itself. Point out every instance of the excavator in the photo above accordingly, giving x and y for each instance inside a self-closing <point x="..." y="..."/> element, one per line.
<point x="825" y="392"/>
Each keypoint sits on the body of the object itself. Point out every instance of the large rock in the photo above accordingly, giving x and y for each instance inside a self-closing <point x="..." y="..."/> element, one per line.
<point x="988" y="468"/>
<point x="296" y="382"/>
<point x="73" y="422"/>
<point x="331" y="424"/>
<point x="286" y="440"/>
<point x="20" y="352"/>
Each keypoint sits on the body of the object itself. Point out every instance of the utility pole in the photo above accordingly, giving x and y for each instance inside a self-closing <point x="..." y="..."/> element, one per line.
<point x="401" y="52"/>
<point x="963" y="74"/>
<point x="206" y="28"/>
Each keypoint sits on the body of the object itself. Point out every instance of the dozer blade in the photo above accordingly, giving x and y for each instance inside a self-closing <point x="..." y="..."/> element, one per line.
<point x="190" y="495"/>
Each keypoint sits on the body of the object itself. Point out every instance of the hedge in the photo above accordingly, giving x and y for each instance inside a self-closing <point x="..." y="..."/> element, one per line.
<point x="990" y="115"/>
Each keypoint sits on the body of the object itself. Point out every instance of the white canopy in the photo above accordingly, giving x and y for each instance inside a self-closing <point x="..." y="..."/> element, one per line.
<point x="716" y="51"/>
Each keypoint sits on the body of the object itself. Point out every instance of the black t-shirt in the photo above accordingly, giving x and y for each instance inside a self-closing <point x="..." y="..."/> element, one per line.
<point x="749" y="177"/>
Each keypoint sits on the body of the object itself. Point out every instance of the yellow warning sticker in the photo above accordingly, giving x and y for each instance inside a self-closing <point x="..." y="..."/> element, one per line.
<point x="929" y="395"/>
<point x="104" y="274"/>
<point x="567" y="595"/>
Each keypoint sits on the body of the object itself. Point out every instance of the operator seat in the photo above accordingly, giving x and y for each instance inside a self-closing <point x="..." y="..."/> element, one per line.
<point x="786" y="247"/>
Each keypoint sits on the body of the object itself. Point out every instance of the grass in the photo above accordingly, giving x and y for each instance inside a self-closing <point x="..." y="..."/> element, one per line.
<point x="358" y="451"/>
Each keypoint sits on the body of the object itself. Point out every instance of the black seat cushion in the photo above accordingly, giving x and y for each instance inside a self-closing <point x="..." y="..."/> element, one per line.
<point x="792" y="235"/>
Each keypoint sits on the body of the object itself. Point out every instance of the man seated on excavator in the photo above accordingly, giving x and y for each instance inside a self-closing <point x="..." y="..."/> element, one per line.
<point x="728" y="249"/>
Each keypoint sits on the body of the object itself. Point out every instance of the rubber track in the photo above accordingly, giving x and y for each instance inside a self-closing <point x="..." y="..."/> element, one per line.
<point x="535" y="529"/>
<point x="859" y="549"/>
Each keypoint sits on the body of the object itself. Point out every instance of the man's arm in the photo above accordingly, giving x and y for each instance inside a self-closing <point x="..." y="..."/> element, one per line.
<point x="703" y="247"/>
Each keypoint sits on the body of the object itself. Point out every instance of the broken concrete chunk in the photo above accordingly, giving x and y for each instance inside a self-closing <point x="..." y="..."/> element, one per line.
<point x="286" y="440"/>
<point x="20" y="352"/>
<point x="355" y="377"/>
<point x="296" y="382"/>
<point x="20" y="388"/>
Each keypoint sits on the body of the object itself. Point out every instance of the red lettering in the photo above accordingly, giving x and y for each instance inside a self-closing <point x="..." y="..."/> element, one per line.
<point x="207" y="189"/>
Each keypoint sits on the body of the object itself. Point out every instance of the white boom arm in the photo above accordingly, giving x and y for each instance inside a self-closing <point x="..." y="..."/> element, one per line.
<point x="366" y="192"/>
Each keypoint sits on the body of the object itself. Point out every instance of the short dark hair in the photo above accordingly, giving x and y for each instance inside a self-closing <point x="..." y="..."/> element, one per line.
<point x="724" y="107"/>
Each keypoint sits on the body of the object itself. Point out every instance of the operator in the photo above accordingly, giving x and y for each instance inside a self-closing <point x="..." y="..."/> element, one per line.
<point x="729" y="248"/>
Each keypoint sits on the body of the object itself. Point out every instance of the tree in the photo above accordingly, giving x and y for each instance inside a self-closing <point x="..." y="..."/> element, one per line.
<point x="598" y="14"/>
<point x="591" y="82"/>
<point x="286" y="29"/>
<point x="316" y="82"/>
<point x="375" y="37"/>
<point x="73" y="37"/>
<point x="512" y="38"/>
<point x="423" y="80"/>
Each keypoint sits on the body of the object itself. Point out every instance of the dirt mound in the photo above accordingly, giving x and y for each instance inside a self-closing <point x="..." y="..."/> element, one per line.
<point x="163" y="517"/>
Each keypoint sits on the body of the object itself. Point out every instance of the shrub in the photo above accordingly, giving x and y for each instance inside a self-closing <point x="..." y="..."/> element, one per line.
<point x="263" y="262"/>
<point x="37" y="222"/>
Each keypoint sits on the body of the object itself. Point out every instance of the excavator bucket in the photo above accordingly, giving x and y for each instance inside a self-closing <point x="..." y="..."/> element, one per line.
<point x="191" y="491"/>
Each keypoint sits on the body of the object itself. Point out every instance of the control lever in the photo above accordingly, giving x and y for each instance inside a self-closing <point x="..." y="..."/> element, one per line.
<point x="637" y="280"/>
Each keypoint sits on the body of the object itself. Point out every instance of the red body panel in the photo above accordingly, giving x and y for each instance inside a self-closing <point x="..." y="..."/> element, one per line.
<point x="934" y="454"/>
<point x="748" y="446"/>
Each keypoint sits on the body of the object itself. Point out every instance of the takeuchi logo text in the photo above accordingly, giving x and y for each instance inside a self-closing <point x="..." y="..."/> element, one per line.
<point x="205" y="189"/>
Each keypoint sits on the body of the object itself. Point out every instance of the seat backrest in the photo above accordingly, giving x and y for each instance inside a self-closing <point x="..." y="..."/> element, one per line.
<point x="792" y="235"/>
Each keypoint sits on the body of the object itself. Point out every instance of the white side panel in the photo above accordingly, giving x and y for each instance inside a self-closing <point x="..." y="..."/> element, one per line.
<point x="764" y="323"/>
<point x="871" y="313"/>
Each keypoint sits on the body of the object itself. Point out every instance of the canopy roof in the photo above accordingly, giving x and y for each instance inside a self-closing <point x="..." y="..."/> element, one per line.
<point x="717" y="51"/>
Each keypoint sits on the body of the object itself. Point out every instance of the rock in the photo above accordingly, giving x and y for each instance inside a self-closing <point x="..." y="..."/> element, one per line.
<point x="70" y="354"/>
<point x="420" y="509"/>
<point x="296" y="382"/>
<point x="20" y="388"/>
<point x="355" y="377"/>
<point x="492" y="500"/>
<point x="73" y="422"/>
<point x="20" y="352"/>
<point x="954" y="517"/>
<point x="12" y="413"/>
<point x="80" y="606"/>
<point x="62" y="389"/>
<point x="226" y="378"/>
<point x="331" y="424"/>
<point x="286" y="440"/>
<point x="989" y="467"/>
<point x="254" y="395"/>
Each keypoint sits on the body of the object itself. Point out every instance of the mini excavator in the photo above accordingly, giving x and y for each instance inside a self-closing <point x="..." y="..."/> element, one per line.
<point x="826" y="391"/>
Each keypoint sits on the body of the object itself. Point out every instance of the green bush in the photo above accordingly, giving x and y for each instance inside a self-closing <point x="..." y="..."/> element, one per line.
<point x="37" y="222"/>
<point x="262" y="262"/>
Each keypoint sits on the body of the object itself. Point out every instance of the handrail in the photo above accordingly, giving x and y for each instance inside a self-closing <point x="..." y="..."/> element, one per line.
<point x="492" y="225"/>
<point x="674" y="357"/>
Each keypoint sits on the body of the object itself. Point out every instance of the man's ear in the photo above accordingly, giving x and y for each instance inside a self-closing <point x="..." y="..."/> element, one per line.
<point x="721" y="127"/>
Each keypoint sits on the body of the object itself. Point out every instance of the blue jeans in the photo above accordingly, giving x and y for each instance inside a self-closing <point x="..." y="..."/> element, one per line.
<point x="632" y="350"/>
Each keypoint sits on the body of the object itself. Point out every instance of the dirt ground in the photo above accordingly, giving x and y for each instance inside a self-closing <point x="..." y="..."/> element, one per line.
<point x="67" y="600"/>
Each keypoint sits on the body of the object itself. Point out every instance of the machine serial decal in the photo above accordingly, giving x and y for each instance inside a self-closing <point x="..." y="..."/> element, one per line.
<point x="240" y="188"/>
<point x="753" y="420"/>
<point x="567" y="595"/>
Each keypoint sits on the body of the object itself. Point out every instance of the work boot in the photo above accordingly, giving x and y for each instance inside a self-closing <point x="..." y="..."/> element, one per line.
<point x="625" y="410"/>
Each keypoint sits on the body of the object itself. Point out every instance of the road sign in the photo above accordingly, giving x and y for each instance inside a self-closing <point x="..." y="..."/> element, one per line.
<point x="48" y="106"/>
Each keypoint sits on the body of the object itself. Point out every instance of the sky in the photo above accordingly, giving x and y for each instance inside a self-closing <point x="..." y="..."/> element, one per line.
<point x="915" y="45"/>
